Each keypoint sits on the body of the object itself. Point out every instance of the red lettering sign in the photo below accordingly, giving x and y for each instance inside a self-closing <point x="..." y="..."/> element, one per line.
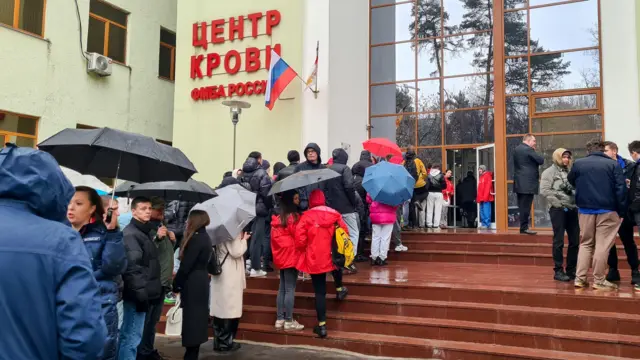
<point x="233" y="61"/>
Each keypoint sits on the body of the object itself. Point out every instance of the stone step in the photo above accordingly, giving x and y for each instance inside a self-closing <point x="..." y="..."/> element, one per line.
<point x="455" y="284"/>
<point x="458" y="330"/>
<point x="485" y="236"/>
<point x="405" y="347"/>
<point x="474" y="246"/>
<point x="576" y="320"/>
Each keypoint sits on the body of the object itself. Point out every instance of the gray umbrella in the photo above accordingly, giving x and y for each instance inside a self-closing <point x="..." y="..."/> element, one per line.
<point x="230" y="212"/>
<point x="302" y="179"/>
<point x="191" y="190"/>
<point x="110" y="153"/>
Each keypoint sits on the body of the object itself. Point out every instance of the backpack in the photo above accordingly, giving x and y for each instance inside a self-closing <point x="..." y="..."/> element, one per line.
<point x="342" y="252"/>
<point x="412" y="168"/>
<point x="214" y="266"/>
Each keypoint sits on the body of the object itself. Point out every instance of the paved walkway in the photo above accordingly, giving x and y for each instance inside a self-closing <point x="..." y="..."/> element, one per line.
<point x="172" y="349"/>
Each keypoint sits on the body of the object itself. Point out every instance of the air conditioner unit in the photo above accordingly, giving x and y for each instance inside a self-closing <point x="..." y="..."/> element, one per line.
<point x="99" y="64"/>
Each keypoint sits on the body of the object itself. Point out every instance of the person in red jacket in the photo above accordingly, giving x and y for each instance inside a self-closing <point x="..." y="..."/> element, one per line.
<point x="485" y="196"/>
<point x="314" y="237"/>
<point x="286" y="257"/>
<point x="447" y="196"/>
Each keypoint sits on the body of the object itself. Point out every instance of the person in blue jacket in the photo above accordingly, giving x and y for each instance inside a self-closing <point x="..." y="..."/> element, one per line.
<point x="108" y="257"/>
<point x="49" y="299"/>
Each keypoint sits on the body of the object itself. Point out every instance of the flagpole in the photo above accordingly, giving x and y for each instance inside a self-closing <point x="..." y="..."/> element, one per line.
<point x="315" y="92"/>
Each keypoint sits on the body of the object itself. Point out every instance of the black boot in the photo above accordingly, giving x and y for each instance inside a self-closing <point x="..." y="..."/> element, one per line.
<point x="571" y="273"/>
<point x="374" y="262"/>
<point x="635" y="277"/>
<point x="342" y="294"/>
<point x="561" y="276"/>
<point x="321" y="331"/>
<point x="613" y="275"/>
<point x="223" y="335"/>
<point x="360" y="258"/>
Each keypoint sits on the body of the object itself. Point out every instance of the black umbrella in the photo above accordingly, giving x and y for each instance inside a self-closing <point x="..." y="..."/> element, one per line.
<point x="191" y="190"/>
<point x="110" y="153"/>
<point x="302" y="179"/>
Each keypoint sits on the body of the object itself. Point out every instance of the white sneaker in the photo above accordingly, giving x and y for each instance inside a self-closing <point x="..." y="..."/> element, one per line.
<point x="257" y="273"/>
<point x="293" y="326"/>
<point x="401" y="248"/>
<point x="404" y="248"/>
<point x="279" y="324"/>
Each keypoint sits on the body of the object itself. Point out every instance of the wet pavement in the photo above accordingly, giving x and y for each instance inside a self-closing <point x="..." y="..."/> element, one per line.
<point x="171" y="349"/>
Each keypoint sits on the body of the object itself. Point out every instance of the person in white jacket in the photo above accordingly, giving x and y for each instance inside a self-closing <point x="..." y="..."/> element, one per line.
<point x="226" y="293"/>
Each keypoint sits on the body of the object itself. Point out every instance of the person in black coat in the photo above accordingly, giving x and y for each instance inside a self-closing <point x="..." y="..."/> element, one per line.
<point x="526" y="178"/>
<point x="192" y="283"/>
<point x="314" y="162"/>
<point x="260" y="183"/>
<point x="341" y="196"/>
<point x="293" y="156"/>
<point x="466" y="194"/>
<point x="142" y="284"/>
<point x="626" y="228"/>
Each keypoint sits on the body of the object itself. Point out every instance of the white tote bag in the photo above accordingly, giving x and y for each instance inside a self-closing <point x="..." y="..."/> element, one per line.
<point x="173" y="325"/>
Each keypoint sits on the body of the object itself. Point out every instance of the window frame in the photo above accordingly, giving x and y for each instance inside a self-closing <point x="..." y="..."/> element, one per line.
<point x="172" y="71"/>
<point x="597" y="110"/>
<point x="16" y="19"/>
<point x="107" y="25"/>
<point x="4" y="133"/>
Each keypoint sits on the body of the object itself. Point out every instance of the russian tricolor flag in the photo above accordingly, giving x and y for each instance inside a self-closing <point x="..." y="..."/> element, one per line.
<point x="280" y="75"/>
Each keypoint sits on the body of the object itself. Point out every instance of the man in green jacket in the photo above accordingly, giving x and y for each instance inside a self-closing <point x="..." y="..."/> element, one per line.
<point x="164" y="240"/>
<point x="560" y="196"/>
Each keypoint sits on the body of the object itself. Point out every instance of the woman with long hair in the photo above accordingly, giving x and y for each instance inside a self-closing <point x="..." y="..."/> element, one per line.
<point x="226" y="293"/>
<point x="286" y="257"/>
<point x="107" y="252"/>
<point x="191" y="283"/>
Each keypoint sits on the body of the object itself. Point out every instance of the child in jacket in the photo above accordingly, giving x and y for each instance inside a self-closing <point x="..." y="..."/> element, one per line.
<point x="383" y="217"/>
<point x="314" y="237"/>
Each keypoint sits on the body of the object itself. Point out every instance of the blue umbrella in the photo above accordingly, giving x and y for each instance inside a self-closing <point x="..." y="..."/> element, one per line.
<point x="388" y="183"/>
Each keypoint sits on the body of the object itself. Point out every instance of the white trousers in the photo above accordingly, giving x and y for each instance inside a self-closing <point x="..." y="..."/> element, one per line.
<point x="380" y="238"/>
<point x="434" y="208"/>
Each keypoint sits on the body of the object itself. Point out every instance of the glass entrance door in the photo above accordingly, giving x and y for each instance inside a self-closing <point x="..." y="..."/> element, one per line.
<point x="486" y="156"/>
<point x="461" y="162"/>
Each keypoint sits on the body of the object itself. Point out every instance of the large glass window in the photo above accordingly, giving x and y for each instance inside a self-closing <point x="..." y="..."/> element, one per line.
<point x="433" y="83"/>
<point x="432" y="59"/>
<point x="18" y="129"/>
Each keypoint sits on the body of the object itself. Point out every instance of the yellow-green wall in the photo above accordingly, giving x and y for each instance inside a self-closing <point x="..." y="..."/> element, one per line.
<point x="203" y="129"/>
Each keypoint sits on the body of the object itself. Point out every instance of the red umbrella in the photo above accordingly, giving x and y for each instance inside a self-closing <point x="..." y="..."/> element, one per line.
<point x="382" y="147"/>
<point x="396" y="160"/>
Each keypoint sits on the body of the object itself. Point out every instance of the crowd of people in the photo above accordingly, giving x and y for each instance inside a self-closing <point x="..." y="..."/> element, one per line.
<point x="96" y="287"/>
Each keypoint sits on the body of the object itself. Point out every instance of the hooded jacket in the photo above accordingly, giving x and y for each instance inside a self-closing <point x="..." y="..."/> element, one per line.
<point x="340" y="191"/>
<point x="283" y="246"/>
<point x="421" y="181"/>
<point x="436" y="181"/>
<point x="260" y="184"/>
<point x="176" y="215"/>
<point x="554" y="185"/>
<point x="358" y="171"/>
<point x="485" y="187"/>
<point x="48" y="301"/>
<point x="314" y="235"/>
<point x="304" y="193"/>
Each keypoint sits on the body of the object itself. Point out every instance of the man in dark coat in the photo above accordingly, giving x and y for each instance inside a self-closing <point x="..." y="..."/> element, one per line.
<point x="259" y="182"/>
<point x="314" y="162"/>
<point x="294" y="159"/>
<point x="633" y="184"/>
<point x="626" y="228"/>
<point x="142" y="283"/>
<point x="341" y="195"/>
<point x="526" y="178"/>
<point x="466" y="193"/>
<point x="175" y="216"/>
<point x="358" y="171"/>
<point x="601" y="200"/>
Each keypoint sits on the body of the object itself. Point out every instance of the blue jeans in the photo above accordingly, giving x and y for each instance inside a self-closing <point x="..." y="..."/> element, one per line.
<point x="405" y="213"/>
<point x="485" y="214"/>
<point x="120" y="307"/>
<point x="131" y="331"/>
